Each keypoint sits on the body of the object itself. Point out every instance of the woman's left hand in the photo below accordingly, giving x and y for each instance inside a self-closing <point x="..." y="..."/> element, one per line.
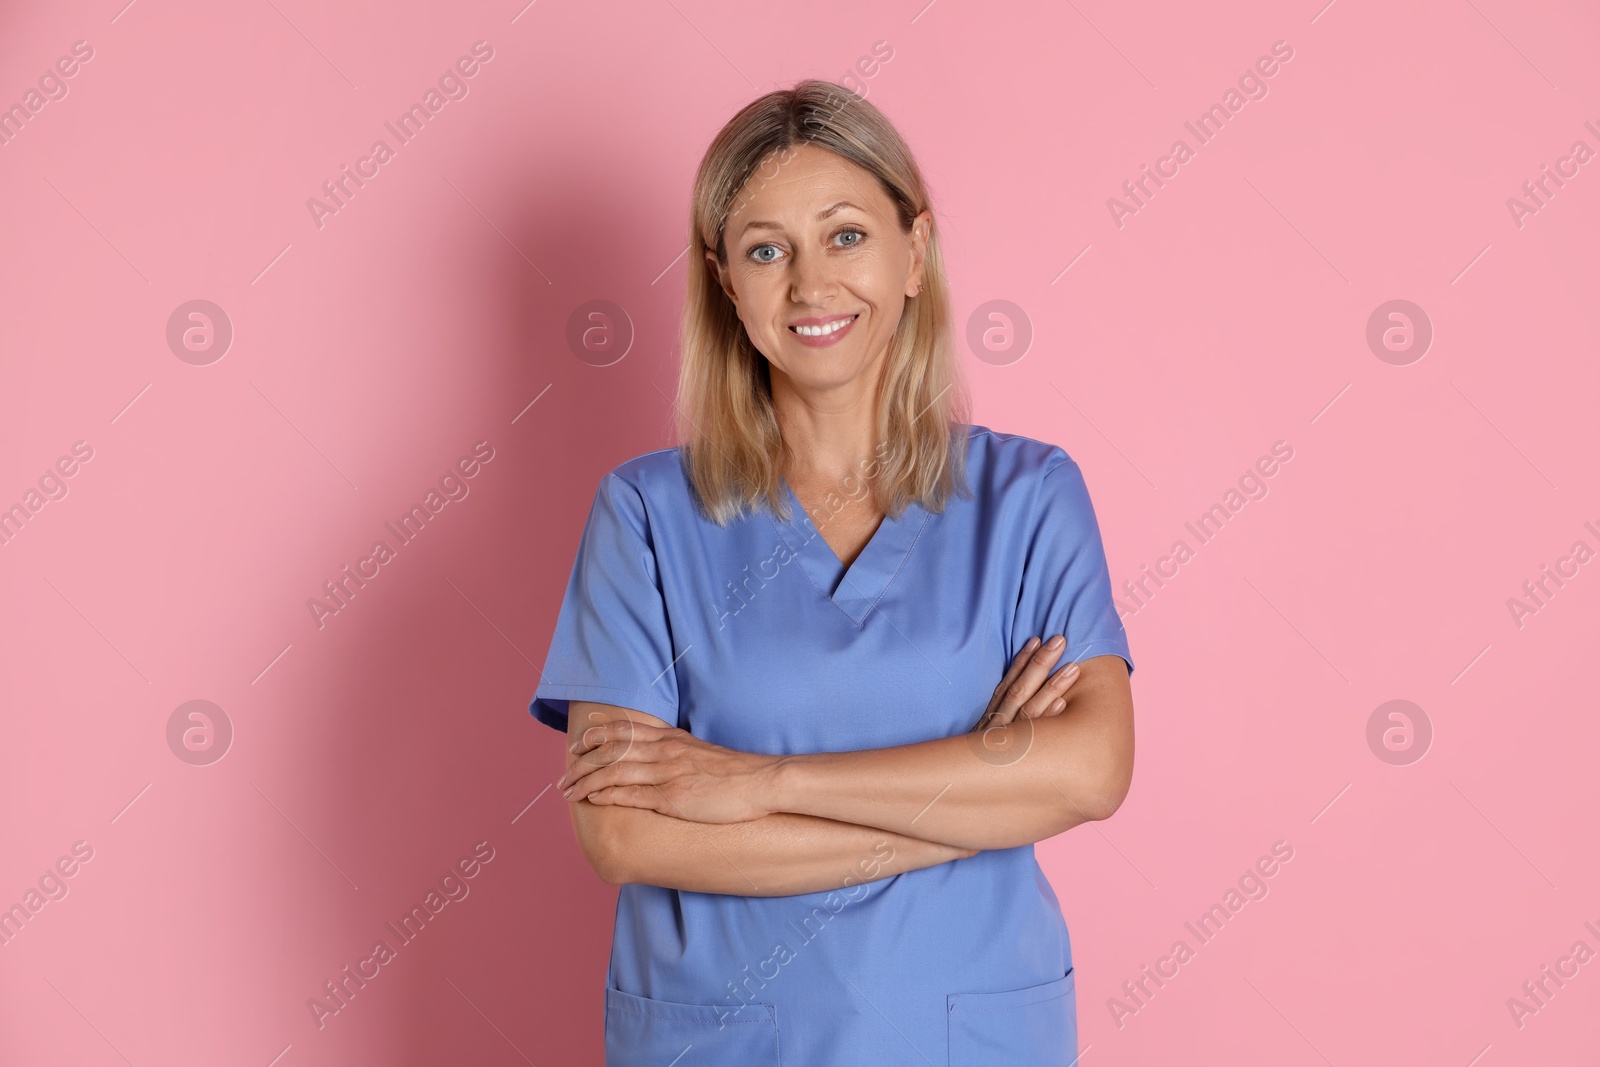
<point x="669" y="770"/>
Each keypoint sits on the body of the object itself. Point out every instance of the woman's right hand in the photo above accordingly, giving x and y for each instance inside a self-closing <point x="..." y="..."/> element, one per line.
<point x="1028" y="689"/>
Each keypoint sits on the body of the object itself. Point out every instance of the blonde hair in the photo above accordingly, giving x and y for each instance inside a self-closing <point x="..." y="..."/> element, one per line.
<point x="727" y="432"/>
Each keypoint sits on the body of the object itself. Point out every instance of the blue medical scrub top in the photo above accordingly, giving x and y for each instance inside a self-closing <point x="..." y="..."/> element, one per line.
<point x="754" y="636"/>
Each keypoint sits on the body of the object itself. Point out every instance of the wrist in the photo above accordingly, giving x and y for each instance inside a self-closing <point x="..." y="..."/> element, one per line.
<point x="785" y="787"/>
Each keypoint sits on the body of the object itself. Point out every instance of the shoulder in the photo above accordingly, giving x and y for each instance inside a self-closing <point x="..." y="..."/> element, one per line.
<point x="1033" y="483"/>
<point x="993" y="456"/>
<point x="650" y="489"/>
<point x="652" y="472"/>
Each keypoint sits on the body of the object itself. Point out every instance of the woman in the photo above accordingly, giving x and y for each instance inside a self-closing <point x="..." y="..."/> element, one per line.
<point x="776" y="657"/>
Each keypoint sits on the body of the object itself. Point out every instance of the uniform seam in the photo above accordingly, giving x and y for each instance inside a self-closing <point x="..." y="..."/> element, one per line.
<point x="911" y="548"/>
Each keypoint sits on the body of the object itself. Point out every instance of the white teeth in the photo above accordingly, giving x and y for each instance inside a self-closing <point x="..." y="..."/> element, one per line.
<point x="823" y="331"/>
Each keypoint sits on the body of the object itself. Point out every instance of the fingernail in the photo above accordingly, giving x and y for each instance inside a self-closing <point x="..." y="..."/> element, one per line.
<point x="568" y="793"/>
<point x="1057" y="641"/>
<point x="1033" y="642"/>
<point x="1070" y="669"/>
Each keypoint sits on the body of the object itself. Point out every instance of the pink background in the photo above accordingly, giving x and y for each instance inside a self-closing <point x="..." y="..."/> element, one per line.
<point x="369" y="354"/>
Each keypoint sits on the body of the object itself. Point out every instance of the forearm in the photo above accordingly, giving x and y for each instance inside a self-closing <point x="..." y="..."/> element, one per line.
<point x="1016" y="785"/>
<point x="776" y="855"/>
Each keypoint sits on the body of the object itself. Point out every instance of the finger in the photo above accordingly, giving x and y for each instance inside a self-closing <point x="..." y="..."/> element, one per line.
<point x="612" y="730"/>
<point x="1055" y="707"/>
<point x="606" y="754"/>
<point x="574" y="774"/>
<point x="1027" y="683"/>
<point x="1019" y="661"/>
<point x="1051" y="694"/>
<point x="629" y="796"/>
<point x="612" y="774"/>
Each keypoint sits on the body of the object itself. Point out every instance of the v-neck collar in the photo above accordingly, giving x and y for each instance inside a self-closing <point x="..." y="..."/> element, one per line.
<point x="856" y="588"/>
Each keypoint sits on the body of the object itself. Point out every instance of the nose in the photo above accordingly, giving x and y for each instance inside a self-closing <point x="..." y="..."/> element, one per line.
<point x="810" y="278"/>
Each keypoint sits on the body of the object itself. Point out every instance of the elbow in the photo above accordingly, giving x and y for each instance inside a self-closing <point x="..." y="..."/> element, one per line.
<point x="1109" y="792"/>
<point x="1098" y="795"/>
<point x="1101" y="806"/>
<point x="603" y="863"/>
<point x="600" y="837"/>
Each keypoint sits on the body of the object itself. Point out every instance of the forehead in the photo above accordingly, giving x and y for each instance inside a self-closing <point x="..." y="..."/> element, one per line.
<point x="793" y="185"/>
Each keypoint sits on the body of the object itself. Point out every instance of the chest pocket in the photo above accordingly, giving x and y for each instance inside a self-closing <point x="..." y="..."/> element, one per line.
<point x="641" y="1032"/>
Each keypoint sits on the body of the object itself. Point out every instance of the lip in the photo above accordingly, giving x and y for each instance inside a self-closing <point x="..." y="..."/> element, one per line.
<point x="828" y="339"/>
<point x="822" y="321"/>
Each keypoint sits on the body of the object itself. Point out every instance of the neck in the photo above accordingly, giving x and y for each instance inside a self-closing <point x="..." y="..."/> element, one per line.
<point x="827" y="436"/>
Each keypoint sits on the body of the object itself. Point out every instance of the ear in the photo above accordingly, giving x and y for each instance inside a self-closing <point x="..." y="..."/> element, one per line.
<point x="720" y="275"/>
<point x="921" y="228"/>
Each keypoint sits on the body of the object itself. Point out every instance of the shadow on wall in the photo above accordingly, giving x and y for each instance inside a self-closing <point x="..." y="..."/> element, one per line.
<point x="431" y="752"/>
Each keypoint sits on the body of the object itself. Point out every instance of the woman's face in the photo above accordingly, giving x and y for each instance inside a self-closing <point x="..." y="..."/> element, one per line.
<point x="813" y="243"/>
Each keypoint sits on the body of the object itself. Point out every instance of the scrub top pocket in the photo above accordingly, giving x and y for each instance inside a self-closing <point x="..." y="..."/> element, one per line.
<point x="1032" y="1027"/>
<point x="641" y="1032"/>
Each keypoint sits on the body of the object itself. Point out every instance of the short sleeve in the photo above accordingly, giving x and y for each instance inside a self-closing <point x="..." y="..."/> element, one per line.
<point x="612" y="642"/>
<point x="1066" y="586"/>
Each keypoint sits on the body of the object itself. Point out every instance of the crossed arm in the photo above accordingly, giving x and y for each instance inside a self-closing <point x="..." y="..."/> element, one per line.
<point x="657" y="805"/>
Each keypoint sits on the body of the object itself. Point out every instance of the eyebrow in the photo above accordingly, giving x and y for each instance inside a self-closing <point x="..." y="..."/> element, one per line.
<point x="824" y="213"/>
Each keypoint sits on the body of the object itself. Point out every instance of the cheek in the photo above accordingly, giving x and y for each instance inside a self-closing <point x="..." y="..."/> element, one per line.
<point x="759" y="315"/>
<point x="769" y="306"/>
<point x="762" y="315"/>
<point x="886" y="301"/>
<point x="877" y="278"/>
<point x="759" y="297"/>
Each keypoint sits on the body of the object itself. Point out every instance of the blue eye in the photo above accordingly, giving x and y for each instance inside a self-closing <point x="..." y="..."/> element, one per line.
<point x="756" y="253"/>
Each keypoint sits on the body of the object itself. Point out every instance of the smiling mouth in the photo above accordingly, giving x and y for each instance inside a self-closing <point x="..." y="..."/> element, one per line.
<point x="823" y="331"/>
